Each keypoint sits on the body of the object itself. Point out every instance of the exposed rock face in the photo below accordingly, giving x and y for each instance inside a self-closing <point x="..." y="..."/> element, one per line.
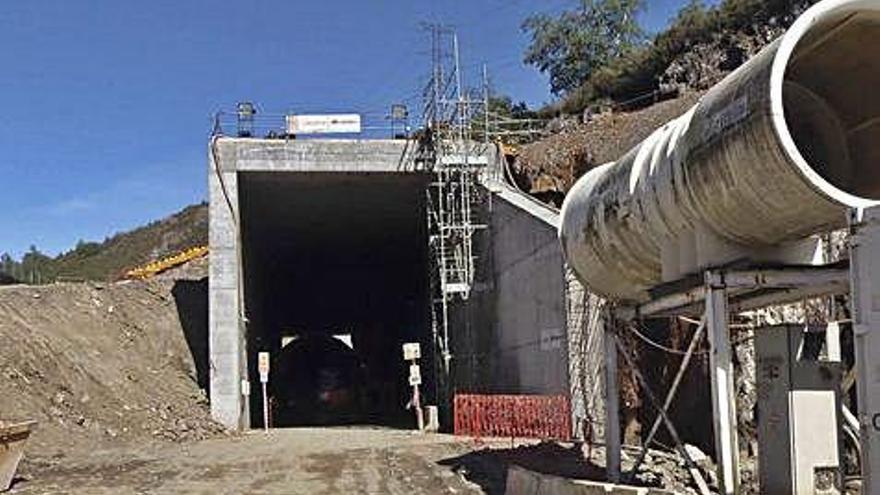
<point x="707" y="63"/>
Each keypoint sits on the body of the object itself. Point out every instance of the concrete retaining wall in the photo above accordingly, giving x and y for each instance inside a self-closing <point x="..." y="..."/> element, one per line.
<point x="528" y="272"/>
<point x="524" y="482"/>
<point x="530" y="327"/>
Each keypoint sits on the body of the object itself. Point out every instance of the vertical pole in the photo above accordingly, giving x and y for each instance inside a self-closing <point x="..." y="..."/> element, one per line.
<point x="612" y="401"/>
<point x="417" y="402"/>
<point x="265" y="408"/>
<point x="486" y="104"/>
<point x="460" y="114"/>
<point x="723" y="392"/>
<point x="263" y="370"/>
<point x="438" y="76"/>
<point x="865" y="280"/>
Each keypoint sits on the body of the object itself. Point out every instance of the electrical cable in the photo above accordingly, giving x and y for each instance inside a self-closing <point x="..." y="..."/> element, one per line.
<point x="216" y="162"/>
<point x="661" y="347"/>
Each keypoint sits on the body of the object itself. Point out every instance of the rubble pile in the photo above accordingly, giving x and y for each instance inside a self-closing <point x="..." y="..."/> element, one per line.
<point x="97" y="363"/>
<point x="554" y="163"/>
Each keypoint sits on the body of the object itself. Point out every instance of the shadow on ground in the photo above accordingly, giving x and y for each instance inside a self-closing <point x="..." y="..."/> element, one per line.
<point x="488" y="467"/>
<point x="191" y="299"/>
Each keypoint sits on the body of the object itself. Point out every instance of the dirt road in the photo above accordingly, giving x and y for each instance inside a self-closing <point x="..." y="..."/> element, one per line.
<point x="291" y="461"/>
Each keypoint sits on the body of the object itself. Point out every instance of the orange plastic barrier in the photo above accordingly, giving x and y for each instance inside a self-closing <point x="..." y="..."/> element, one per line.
<point x="517" y="416"/>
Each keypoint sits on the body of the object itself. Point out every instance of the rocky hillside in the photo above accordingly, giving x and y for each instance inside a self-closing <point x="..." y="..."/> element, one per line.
<point x="110" y="259"/>
<point x="706" y="63"/>
<point x="549" y="167"/>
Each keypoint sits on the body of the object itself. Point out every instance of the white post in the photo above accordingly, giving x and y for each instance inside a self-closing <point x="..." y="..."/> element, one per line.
<point x="263" y="369"/>
<point x="411" y="353"/>
<point x="417" y="401"/>
<point x="723" y="391"/>
<point x="612" y="402"/>
<point x="865" y="278"/>
<point x="265" y="408"/>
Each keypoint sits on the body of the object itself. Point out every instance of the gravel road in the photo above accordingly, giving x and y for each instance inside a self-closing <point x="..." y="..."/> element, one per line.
<point x="290" y="461"/>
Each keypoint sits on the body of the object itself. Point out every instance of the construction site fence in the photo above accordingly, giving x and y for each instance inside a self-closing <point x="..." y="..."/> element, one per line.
<point x="545" y="417"/>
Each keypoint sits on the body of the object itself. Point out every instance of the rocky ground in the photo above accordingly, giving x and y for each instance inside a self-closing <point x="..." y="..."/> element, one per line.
<point x="554" y="163"/>
<point x="549" y="167"/>
<point x="313" y="461"/>
<point x="100" y="364"/>
<point x="319" y="461"/>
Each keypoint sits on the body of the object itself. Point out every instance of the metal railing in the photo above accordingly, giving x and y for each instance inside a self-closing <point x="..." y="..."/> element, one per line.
<point x="274" y="126"/>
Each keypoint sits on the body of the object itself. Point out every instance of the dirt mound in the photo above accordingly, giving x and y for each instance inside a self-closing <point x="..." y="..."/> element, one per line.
<point x="100" y="363"/>
<point x="553" y="164"/>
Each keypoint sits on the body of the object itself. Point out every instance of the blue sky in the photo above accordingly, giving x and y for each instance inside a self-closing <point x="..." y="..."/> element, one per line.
<point x="106" y="104"/>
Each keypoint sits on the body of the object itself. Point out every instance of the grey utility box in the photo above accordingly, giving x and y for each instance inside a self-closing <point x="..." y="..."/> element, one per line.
<point x="798" y="382"/>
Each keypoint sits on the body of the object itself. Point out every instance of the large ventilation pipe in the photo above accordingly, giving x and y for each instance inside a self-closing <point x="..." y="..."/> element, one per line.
<point x="776" y="152"/>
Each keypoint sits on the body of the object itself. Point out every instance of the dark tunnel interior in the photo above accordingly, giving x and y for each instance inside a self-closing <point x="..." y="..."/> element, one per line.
<point x="330" y="258"/>
<point x="831" y="106"/>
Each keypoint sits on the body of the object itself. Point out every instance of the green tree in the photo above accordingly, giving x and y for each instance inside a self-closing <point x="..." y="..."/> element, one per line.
<point x="7" y="264"/>
<point x="36" y="267"/>
<point x="85" y="249"/>
<point x="505" y="107"/>
<point x="571" y="46"/>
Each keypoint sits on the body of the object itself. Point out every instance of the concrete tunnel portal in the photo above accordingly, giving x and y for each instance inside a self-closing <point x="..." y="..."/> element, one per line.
<point x="319" y="255"/>
<point x="334" y="254"/>
<point x="316" y="239"/>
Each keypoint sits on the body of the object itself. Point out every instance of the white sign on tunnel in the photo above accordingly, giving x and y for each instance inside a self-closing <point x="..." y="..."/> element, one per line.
<point x="324" y="124"/>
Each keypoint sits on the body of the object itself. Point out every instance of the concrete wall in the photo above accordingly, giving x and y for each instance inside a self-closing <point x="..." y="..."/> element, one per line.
<point x="226" y="336"/>
<point x="510" y="337"/>
<point x="524" y="482"/>
<point x="586" y="359"/>
<point x="530" y="327"/>
<point x="530" y="305"/>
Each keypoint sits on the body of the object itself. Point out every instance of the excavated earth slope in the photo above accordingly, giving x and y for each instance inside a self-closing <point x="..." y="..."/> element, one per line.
<point x="102" y="364"/>
<point x="554" y="163"/>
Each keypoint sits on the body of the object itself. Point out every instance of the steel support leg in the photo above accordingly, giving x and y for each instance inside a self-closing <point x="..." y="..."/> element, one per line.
<point x="612" y="402"/>
<point x="865" y="276"/>
<point x="723" y="391"/>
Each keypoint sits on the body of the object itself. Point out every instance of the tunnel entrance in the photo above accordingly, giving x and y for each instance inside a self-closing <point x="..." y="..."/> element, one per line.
<point x="335" y="269"/>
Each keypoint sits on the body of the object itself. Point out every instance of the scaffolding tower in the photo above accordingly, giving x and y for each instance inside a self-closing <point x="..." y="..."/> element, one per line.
<point x="449" y="150"/>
